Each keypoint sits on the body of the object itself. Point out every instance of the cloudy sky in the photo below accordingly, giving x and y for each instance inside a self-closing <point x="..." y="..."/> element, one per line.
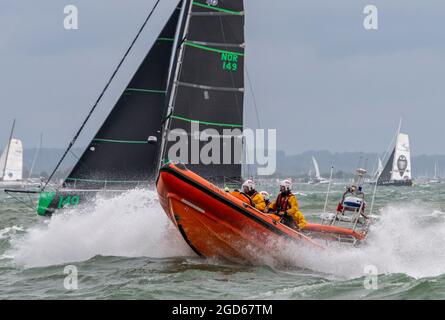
<point x="318" y="76"/>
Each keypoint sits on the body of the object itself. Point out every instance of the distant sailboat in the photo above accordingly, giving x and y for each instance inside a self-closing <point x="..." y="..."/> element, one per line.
<point x="397" y="171"/>
<point x="11" y="162"/>
<point x="318" y="179"/>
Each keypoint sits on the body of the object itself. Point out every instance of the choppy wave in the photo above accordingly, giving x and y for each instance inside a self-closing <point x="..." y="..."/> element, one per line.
<point x="406" y="239"/>
<point x="6" y="232"/>
<point x="130" y="225"/>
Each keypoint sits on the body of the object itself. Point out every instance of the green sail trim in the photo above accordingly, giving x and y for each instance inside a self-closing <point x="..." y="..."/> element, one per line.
<point x="120" y="141"/>
<point x="208" y="123"/>
<point x="145" y="90"/>
<point x="199" y="46"/>
<point x="45" y="199"/>
<point x="202" y="5"/>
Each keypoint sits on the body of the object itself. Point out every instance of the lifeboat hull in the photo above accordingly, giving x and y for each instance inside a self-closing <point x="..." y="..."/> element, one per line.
<point x="215" y="224"/>
<point x="333" y="233"/>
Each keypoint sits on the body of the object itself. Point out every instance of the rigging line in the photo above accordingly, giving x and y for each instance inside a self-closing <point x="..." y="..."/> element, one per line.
<point x="21" y="201"/>
<point x="101" y="94"/>
<point x="74" y="155"/>
<point x="36" y="155"/>
<point x="253" y="97"/>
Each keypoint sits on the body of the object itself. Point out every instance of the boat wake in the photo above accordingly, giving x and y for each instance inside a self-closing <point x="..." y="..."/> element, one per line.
<point x="130" y="225"/>
<point x="406" y="239"/>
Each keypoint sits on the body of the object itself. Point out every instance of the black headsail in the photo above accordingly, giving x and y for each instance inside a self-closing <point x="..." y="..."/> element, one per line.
<point x="385" y="176"/>
<point x="125" y="150"/>
<point x="207" y="89"/>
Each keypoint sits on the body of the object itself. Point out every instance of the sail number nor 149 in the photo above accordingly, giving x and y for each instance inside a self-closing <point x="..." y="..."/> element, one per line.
<point x="230" y="61"/>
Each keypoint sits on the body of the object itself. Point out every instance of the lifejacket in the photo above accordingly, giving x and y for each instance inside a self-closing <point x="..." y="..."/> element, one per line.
<point x="243" y="197"/>
<point x="288" y="203"/>
<point x="282" y="202"/>
<point x="254" y="193"/>
<point x="258" y="201"/>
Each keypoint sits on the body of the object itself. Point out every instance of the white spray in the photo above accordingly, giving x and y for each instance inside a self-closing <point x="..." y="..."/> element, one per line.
<point x="407" y="239"/>
<point x="130" y="225"/>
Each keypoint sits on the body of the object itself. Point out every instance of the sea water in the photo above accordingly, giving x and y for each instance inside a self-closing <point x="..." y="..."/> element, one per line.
<point x="126" y="248"/>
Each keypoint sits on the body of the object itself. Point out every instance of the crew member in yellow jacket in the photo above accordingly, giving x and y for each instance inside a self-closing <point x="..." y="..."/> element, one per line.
<point x="257" y="198"/>
<point x="286" y="206"/>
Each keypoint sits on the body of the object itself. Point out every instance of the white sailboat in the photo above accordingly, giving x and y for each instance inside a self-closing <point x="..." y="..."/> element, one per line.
<point x="318" y="179"/>
<point x="11" y="162"/>
<point x="397" y="171"/>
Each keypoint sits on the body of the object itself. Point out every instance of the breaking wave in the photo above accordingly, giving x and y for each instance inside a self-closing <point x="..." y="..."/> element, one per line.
<point x="130" y="225"/>
<point x="407" y="239"/>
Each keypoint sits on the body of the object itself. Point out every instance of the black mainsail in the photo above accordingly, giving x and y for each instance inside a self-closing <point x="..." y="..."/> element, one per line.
<point x="207" y="89"/>
<point x="124" y="152"/>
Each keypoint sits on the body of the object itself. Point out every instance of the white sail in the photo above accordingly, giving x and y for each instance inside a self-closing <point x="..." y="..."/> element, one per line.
<point x="13" y="156"/>
<point x="401" y="167"/>
<point x="380" y="168"/>
<point x="317" y="169"/>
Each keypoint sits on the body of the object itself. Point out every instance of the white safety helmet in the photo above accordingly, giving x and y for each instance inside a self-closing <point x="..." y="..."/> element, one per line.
<point x="249" y="184"/>
<point x="287" y="184"/>
<point x="265" y="195"/>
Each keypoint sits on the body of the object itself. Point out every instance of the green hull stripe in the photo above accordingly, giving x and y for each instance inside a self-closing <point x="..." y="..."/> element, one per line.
<point x="145" y="90"/>
<point x="102" y="181"/>
<point x="191" y="44"/>
<point x="208" y="123"/>
<point x="215" y="8"/>
<point x="45" y="199"/>
<point x="120" y="141"/>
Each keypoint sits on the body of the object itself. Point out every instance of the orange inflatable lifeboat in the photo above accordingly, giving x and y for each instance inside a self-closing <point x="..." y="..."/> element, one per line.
<point x="216" y="224"/>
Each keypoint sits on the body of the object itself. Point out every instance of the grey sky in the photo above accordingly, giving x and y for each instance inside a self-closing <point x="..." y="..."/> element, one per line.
<point x="319" y="77"/>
